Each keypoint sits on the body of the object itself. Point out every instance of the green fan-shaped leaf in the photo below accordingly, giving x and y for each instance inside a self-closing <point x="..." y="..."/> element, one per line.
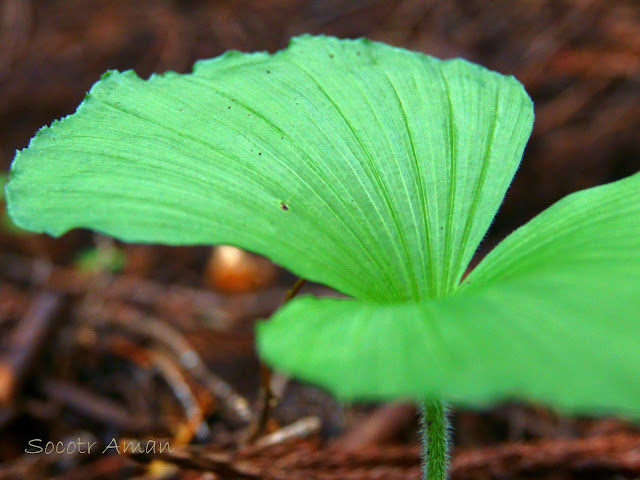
<point x="366" y="167"/>
<point x="552" y="314"/>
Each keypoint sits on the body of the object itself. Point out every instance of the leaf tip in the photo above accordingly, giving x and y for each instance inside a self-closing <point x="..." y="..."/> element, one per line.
<point x="109" y="73"/>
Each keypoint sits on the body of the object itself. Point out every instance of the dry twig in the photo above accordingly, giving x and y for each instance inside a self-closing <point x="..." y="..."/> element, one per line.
<point x="26" y="343"/>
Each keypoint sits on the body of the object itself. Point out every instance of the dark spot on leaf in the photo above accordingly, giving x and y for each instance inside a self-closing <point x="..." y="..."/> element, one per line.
<point x="259" y="153"/>
<point x="228" y="107"/>
<point x="358" y="53"/>
<point x="268" y="71"/>
<point x="248" y="115"/>
<point x="331" y="55"/>
<point x="284" y="206"/>
<point x="180" y="109"/>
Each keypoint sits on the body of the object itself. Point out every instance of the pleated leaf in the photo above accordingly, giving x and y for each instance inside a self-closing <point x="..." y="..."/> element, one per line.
<point x="365" y="167"/>
<point x="552" y="314"/>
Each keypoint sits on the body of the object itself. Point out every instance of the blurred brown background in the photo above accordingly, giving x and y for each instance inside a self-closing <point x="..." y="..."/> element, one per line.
<point x="93" y="333"/>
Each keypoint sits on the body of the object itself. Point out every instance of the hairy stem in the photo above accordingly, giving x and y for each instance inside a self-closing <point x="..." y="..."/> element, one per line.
<point x="434" y="427"/>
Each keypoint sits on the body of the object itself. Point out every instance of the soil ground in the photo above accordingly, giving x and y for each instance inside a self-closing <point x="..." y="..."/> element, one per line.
<point x="92" y="345"/>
